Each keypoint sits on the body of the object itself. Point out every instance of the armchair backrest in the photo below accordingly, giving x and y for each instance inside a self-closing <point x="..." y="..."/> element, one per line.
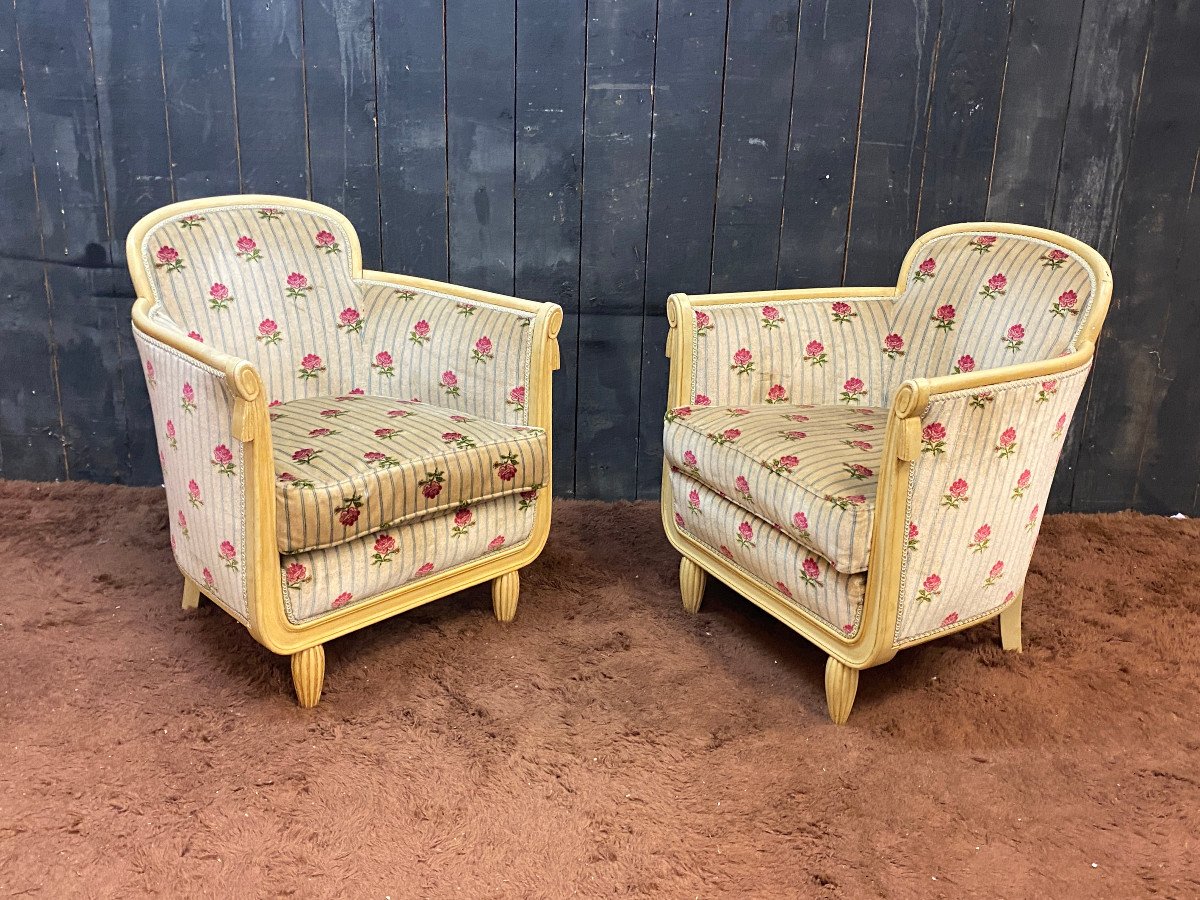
<point x="978" y="297"/>
<point x="969" y="297"/>
<point x="269" y="279"/>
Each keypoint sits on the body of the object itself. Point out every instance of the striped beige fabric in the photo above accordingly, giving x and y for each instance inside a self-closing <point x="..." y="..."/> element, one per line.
<point x="347" y="466"/>
<point x="319" y="582"/>
<point x="795" y="574"/>
<point x="273" y="285"/>
<point x="973" y="301"/>
<point x="1005" y="296"/>
<point x="798" y="351"/>
<point x="467" y="356"/>
<point x="268" y="284"/>
<point x="976" y="499"/>
<point x="203" y="470"/>
<point x="809" y="470"/>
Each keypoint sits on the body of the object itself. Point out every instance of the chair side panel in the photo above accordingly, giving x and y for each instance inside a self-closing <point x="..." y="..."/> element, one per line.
<point x="976" y="497"/>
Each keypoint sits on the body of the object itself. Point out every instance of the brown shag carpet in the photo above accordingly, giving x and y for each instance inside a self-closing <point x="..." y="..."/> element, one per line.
<point x="605" y="744"/>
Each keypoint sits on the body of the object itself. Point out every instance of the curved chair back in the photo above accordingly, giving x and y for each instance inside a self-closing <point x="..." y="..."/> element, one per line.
<point x="268" y="279"/>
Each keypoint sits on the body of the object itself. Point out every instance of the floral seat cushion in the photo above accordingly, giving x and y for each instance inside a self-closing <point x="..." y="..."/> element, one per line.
<point x="347" y="466"/>
<point x="811" y="471"/>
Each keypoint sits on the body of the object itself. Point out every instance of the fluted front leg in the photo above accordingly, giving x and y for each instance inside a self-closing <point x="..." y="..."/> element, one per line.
<point x="841" y="684"/>
<point x="505" y="590"/>
<point x="692" y="580"/>
<point x="191" y="594"/>
<point x="308" y="674"/>
<point x="1010" y="625"/>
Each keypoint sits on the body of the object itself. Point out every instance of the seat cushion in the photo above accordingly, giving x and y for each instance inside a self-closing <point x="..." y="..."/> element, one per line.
<point x="792" y="572"/>
<point x="810" y="470"/>
<point x="347" y="466"/>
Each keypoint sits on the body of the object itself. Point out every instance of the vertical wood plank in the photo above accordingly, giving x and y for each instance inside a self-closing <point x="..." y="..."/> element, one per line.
<point x="551" y="46"/>
<point x="616" y="175"/>
<point x="688" y="72"/>
<point x="200" y="103"/>
<point x="963" y="112"/>
<point x="411" y="66"/>
<point x="88" y="317"/>
<point x="826" y="93"/>
<point x="759" y="68"/>
<point x="1108" y="73"/>
<point x="30" y="435"/>
<point x="891" y="143"/>
<point x="1131" y="375"/>
<point x="268" y="65"/>
<point x="1169" y="474"/>
<point x="1033" y="112"/>
<point x="481" y="141"/>
<point x="133" y="121"/>
<point x="339" y="56"/>
<point x="1113" y="39"/>
<point x="131" y="100"/>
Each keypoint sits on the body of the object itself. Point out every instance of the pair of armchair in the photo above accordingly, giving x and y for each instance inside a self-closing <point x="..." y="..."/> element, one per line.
<point x="871" y="465"/>
<point x="337" y="446"/>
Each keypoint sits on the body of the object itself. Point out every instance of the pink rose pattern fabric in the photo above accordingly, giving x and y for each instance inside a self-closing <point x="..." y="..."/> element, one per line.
<point x="483" y="353"/>
<point x="797" y="576"/>
<point x="1018" y="299"/>
<point x="976" y="500"/>
<point x="203" y="471"/>
<point x="318" y="582"/>
<point x="819" y="462"/>
<point x="279" y="295"/>
<point x="274" y="286"/>
<point x="347" y="466"/>
<point x="973" y="301"/>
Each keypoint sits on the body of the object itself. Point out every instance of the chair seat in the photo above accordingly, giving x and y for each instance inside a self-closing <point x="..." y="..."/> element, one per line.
<point x="347" y="466"/>
<point x="809" y="470"/>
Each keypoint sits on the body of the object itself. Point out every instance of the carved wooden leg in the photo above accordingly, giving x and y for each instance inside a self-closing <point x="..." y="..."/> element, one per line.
<point x="191" y="594"/>
<point x="1010" y="625"/>
<point x="841" y="684"/>
<point x="308" y="673"/>
<point x="692" y="580"/>
<point x="504" y="596"/>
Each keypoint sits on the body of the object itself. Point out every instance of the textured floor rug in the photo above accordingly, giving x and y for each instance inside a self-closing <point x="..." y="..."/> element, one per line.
<point x="605" y="744"/>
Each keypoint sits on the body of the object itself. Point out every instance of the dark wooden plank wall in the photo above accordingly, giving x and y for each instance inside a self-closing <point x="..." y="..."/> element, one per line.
<point x="603" y="153"/>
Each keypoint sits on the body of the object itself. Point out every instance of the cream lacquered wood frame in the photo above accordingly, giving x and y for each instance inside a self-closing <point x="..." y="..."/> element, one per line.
<point x="267" y="620"/>
<point x="874" y="642"/>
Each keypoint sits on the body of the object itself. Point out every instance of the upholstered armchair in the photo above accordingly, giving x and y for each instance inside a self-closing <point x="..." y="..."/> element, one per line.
<point x="871" y="465"/>
<point x="337" y="446"/>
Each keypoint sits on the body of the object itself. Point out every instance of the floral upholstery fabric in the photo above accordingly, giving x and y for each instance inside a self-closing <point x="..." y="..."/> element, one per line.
<point x="795" y="574"/>
<point x="321" y="582"/>
<point x="808" y="470"/>
<point x="203" y="470"/>
<point x="350" y="465"/>
<point x="274" y="286"/>
<point x="465" y="355"/>
<point x="267" y="284"/>
<point x="976" y="498"/>
<point x="973" y="301"/>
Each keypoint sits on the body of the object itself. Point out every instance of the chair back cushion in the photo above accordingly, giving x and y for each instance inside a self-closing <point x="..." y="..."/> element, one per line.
<point x="273" y="285"/>
<point x="979" y="301"/>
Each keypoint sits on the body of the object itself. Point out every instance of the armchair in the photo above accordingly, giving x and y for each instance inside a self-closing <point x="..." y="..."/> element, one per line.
<point x="871" y="465"/>
<point x="337" y="446"/>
